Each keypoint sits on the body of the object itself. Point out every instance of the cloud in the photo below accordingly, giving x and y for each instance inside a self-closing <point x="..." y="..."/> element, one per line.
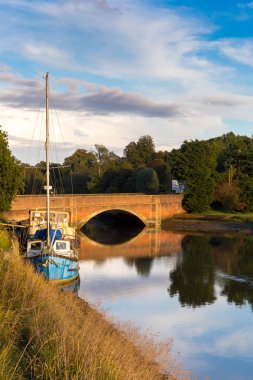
<point x="116" y="40"/>
<point x="116" y="101"/>
<point x="239" y="50"/>
<point x="125" y="69"/>
<point x="96" y="99"/>
<point x="48" y="54"/>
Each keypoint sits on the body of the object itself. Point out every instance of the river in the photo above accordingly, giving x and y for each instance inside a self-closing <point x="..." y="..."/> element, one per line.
<point x="197" y="289"/>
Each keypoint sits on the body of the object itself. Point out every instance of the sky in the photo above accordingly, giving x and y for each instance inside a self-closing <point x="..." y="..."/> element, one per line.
<point x="173" y="69"/>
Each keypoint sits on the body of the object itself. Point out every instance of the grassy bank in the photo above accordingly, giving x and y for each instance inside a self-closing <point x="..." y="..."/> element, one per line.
<point x="211" y="221"/>
<point x="5" y="240"/>
<point x="48" y="334"/>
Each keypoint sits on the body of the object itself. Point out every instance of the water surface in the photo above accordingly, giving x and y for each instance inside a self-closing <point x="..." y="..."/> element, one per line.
<point x="196" y="289"/>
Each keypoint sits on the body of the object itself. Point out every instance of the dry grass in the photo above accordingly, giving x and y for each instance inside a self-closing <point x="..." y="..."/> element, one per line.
<point x="47" y="334"/>
<point x="5" y="240"/>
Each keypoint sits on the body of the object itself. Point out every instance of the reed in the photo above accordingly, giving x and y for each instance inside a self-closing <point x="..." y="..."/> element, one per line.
<point x="48" y="334"/>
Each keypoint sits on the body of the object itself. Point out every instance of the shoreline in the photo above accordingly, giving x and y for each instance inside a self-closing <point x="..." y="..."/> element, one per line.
<point x="75" y="339"/>
<point x="189" y="223"/>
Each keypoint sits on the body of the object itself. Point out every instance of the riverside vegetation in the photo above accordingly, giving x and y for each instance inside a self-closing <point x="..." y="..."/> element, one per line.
<point x="49" y="334"/>
<point x="216" y="173"/>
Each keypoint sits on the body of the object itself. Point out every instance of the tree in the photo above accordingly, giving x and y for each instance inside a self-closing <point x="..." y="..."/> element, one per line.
<point x="83" y="168"/>
<point x="11" y="174"/>
<point x="106" y="160"/>
<point x="194" y="164"/>
<point x="227" y="194"/>
<point x="34" y="178"/>
<point x="140" y="154"/>
<point x="163" y="170"/>
<point x="235" y="164"/>
<point x="147" y="181"/>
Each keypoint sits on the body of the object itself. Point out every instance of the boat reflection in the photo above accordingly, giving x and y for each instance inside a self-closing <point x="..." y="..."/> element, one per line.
<point x="72" y="286"/>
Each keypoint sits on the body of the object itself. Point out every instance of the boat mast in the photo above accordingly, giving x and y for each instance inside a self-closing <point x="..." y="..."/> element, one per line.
<point x="47" y="162"/>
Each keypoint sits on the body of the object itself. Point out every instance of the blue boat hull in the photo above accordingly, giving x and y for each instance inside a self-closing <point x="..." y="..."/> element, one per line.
<point x="56" y="268"/>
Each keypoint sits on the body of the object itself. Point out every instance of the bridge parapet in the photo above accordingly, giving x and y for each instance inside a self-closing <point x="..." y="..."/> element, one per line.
<point x="151" y="209"/>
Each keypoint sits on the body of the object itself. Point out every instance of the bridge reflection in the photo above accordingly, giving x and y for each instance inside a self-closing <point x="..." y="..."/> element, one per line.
<point x="150" y="242"/>
<point x="201" y="268"/>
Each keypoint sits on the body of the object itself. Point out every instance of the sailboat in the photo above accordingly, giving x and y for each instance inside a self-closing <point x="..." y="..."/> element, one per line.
<point x="52" y="246"/>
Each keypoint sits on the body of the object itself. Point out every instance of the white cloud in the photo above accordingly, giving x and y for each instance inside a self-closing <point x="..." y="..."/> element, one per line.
<point x="126" y="70"/>
<point x="240" y="50"/>
<point x="48" y="54"/>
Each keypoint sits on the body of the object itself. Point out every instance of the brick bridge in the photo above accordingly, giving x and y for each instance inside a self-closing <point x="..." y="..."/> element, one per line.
<point x="151" y="209"/>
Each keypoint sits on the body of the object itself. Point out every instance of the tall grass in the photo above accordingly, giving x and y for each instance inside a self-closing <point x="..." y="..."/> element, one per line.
<point x="5" y="240"/>
<point x="48" y="334"/>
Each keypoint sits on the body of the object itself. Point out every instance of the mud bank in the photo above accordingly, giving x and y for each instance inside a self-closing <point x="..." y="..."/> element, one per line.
<point x="203" y="224"/>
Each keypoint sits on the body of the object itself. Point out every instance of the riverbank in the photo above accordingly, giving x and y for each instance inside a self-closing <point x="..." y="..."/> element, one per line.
<point x="213" y="223"/>
<point x="49" y="334"/>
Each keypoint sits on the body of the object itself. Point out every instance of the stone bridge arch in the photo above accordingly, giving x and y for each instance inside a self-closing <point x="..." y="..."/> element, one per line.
<point x="150" y="209"/>
<point x="99" y="211"/>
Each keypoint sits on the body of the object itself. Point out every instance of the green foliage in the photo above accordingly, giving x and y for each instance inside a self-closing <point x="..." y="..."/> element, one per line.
<point x="147" y="181"/>
<point x="235" y="162"/>
<point x="11" y="174"/>
<point x="228" y="196"/>
<point x="140" y="154"/>
<point x="82" y="171"/>
<point x="194" y="164"/>
<point x="106" y="160"/>
<point x="218" y="170"/>
<point x="163" y="171"/>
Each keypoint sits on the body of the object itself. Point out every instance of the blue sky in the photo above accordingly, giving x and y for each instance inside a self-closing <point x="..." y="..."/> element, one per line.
<point x="174" y="69"/>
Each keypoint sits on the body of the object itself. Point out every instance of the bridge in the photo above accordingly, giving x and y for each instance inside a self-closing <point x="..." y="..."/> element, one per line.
<point x="150" y="209"/>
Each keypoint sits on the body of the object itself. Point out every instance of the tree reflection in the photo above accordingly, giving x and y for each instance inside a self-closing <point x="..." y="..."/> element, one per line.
<point x="143" y="265"/>
<point x="239" y="288"/>
<point x="193" y="278"/>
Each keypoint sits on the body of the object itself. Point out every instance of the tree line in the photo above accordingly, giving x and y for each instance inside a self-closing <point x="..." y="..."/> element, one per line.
<point x="141" y="169"/>
<point x="215" y="173"/>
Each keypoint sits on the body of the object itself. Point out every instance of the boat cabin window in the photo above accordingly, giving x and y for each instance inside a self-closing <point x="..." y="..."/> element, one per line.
<point x="60" y="245"/>
<point x="36" y="245"/>
<point x="59" y="218"/>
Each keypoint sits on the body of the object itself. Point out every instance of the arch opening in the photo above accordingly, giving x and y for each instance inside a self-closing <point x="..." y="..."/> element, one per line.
<point x="113" y="227"/>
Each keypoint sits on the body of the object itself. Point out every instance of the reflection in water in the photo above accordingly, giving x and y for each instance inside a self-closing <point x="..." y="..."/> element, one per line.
<point x="143" y="265"/>
<point x="238" y="285"/>
<point x="193" y="278"/>
<point x="113" y="227"/>
<point x="72" y="287"/>
<point x="185" y="286"/>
